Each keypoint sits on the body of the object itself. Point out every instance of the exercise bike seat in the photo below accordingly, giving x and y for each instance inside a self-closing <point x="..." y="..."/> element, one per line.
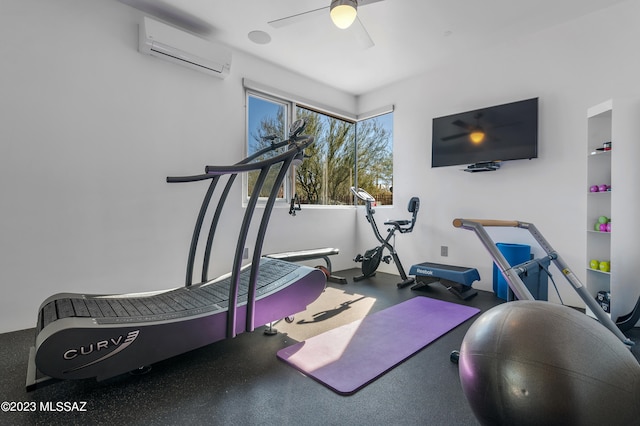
<point x="407" y="225"/>
<point x="398" y="223"/>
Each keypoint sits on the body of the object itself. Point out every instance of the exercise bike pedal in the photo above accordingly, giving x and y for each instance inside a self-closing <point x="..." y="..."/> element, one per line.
<point x="386" y="259"/>
<point x="358" y="258"/>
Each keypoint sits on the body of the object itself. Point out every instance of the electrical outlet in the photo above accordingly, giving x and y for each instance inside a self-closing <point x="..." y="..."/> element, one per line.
<point x="444" y="251"/>
<point x="245" y="253"/>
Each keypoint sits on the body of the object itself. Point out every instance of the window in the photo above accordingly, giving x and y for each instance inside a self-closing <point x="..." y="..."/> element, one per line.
<point x="329" y="170"/>
<point x="266" y="118"/>
<point x="345" y="153"/>
<point x="375" y="157"/>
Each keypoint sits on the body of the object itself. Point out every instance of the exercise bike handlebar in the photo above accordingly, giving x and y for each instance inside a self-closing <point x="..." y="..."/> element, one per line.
<point x="362" y="195"/>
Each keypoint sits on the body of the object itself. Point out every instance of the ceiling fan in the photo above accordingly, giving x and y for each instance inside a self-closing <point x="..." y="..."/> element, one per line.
<point x="475" y="132"/>
<point x="343" y="13"/>
<point x="478" y="133"/>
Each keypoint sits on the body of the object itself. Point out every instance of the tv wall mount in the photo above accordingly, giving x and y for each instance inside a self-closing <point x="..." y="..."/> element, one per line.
<point x="485" y="166"/>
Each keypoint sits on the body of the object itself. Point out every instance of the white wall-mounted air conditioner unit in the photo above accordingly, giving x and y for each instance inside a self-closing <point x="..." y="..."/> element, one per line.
<point x="169" y="43"/>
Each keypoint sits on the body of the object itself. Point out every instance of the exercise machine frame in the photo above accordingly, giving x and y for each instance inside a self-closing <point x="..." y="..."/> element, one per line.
<point x="371" y="258"/>
<point x="511" y="274"/>
<point x="82" y="336"/>
<point x="311" y="254"/>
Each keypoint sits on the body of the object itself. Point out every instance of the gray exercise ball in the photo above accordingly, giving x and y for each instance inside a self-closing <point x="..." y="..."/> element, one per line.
<point x="540" y="363"/>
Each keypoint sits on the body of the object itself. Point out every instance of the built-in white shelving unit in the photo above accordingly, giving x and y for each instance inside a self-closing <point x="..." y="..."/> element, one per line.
<point x="616" y="122"/>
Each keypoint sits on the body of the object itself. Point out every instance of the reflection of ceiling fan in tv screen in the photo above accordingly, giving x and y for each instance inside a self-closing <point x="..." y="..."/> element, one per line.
<point x="484" y="137"/>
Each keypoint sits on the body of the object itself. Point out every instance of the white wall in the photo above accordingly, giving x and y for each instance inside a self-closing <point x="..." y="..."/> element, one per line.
<point x="90" y="128"/>
<point x="570" y="68"/>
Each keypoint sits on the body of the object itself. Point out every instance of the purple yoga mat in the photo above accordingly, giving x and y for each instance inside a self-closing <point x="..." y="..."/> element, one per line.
<point x="349" y="357"/>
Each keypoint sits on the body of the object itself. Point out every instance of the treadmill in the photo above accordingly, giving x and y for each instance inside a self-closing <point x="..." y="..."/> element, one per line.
<point x="80" y="336"/>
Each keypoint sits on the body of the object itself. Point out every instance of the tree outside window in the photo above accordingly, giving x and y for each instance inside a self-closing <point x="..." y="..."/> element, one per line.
<point x="344" y="154"/>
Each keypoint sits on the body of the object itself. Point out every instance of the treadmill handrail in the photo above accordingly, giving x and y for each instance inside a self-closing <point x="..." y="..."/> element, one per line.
<point x="246" y="165"/>
<point x="295" y="147"/>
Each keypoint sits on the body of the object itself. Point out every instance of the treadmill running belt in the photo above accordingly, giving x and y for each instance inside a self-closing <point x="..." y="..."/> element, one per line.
<point x="181" y="302"/>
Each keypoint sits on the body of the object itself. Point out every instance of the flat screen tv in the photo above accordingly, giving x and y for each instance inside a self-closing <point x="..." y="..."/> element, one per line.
<point x="486" y="136"/>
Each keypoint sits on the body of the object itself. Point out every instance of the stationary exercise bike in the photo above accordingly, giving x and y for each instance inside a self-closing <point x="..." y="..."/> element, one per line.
<point x="372" y="258"/>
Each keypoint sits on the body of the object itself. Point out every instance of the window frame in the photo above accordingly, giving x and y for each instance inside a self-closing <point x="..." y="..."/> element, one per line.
<point x="288" y="120"/>
<point x="291" y="103"/>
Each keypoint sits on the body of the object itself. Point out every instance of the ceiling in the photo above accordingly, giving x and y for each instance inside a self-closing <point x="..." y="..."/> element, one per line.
<point x="410" y="36"/>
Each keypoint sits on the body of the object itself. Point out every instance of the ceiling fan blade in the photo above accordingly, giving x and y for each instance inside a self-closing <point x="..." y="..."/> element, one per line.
<point x="456" y="136"/>
<point x="299" y="17"/>
<point x="362" y="35"/>
<point x="462" y="124"/>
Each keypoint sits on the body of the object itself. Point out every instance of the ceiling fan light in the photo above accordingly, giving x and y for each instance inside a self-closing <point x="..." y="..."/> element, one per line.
<point x="476" y="136"/>
<point x="343" y="13"/>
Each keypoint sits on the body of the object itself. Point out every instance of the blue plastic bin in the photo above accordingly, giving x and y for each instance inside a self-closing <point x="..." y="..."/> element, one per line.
<point x="515" y="254"/>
